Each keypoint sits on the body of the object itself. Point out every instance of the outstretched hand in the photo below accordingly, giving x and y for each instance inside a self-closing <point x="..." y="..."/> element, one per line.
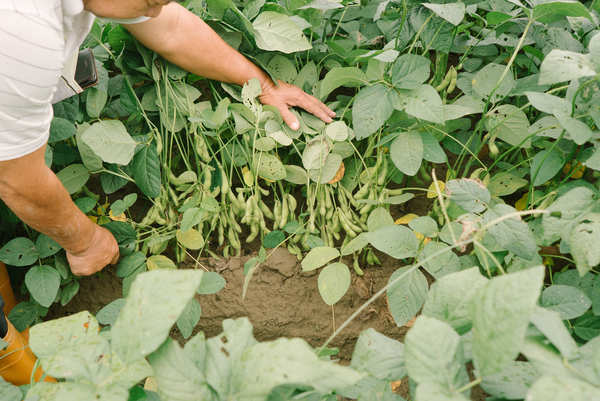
<point x="283" y="96"/>
<point x="103" y="250"/>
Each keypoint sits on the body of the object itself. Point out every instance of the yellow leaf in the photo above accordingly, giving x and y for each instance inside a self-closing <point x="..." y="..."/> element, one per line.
<point x="419" y="236"/>
<point x="151" y="384"/>
<point x="248" y="176"/>
<point x="93" y="218"/>
<point x="432" y="193"/>
<point x="407" y="218"/>
<point x="521" y="204"/>
<point x="120" y="217"/>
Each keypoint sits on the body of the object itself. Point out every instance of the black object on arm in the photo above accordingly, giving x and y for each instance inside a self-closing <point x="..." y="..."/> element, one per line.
<point x="3" y="322"/>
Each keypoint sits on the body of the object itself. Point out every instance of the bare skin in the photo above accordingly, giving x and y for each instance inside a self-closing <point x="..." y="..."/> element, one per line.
<point x="34" y="192"/>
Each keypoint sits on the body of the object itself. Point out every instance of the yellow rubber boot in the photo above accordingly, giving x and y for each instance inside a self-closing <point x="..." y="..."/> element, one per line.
<point x="17" y="361"/>
<point x="6" y="290"/>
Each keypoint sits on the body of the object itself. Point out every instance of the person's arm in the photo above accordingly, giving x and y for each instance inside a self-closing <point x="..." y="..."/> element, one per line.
<point x="184" y="39"/>
<point x="34" y="193"/>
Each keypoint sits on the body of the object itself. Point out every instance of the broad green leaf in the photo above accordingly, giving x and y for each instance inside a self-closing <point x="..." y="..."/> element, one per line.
<point x="160" y="262"/>
<point x="505" y="183"/>
<point x="560" y="388"/>
<point x="453" y="12"/>
<point x="545" y="165"/>
<point x="434" y="354"/>
<point x="429" y="391"/>
<point x="510" y="124"/>
<point x="569" y="301"/>
<point x="486" y="82"/>
<point x="296" y="175"/>
<point x="108" y="314"/>
<point x="551" y="325"/>
<point x="378" y="218"/>
<point x="178" y="378"/>
<point x="269" y="364"/>
<point x="334" y="281"/>
<point x="356" y="244"/>
<point x="318" y="257"/>
<point x="350" y="77"/>
<point x="308" y="75"/>
<point x="563" y="65"/>
<point x="410" y="71"/>
<point x="425" y="103"/>
<point x="95" y="101"/>
<point x="397" y="241"/>
<point x="68" y="292"/>
<point x="282" y="68"/>
<point x="407" y="295"/>
<point x="270" y="167"/>
<point x="451" y="298"/>
<point x="328" y="171"/>
<point x="73" y="177"/>
<point x="337" y="131"/>
<point x="146" y="171"/>
<point x="212" y="283"/>
<point x="407" y="152"/>
<point x="110" y="140"/>
<point x="130" y="263"/>
<point x="273" y="239"/>
<point x="63" y="391"/>
<point x="43" y="283"/>
<point x="469" y="194"/>
<point x="9" y="392"/>
<point x="379" y="356"/>
<point x="551" y="11"/>
<point x="46" y="246"/>
<point x="578" y="131"/>
<point x="189" y="318"/>
<point x="513" y="233"/>
<point x="277" y="32"/>
<point x="19" y="252"/>
<point x="547" y="103"/>
<point x="192" y="217"/>
<point x="424" y="225"/>
<point x="440" y="265"/>
<point x="155" y="301"/>
<point x="513" y="382"/>
<point x="501" y="316"/>
<point x="371" y="110"/>
<point x="315" y="153"/>
<point x="582" y="240"/>
<point x="61" y="129"/>
<point x="432" y="151"/>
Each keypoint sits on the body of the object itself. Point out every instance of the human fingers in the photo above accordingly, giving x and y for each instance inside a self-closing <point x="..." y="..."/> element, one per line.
<point x="314" y="106"/>
<point x="288" y="117"/>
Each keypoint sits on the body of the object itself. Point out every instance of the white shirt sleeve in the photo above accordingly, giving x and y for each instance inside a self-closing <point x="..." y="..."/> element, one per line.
<point x="31" y="59"/>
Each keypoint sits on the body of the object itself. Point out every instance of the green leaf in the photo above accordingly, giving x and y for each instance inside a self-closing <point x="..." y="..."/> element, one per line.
<point x="25" y="314"/>
<point x="46" y="246"/>
<point x="485" y="82"/>
<point x="337" y="131"/>
<point x="569" y="301"/>
<point x="407" y="296"/>
<point x="434" y="354"/>
<point x="435" y="392"/>
<point x="9" y="392"/>
<point x="512" y="234"/>
<point x="453" y="12"/>
<point x="130" y="263"/>
<point x="552" y="11"/>
<point x="371" y="110"/>
<point x="95" y="101"/>
<point x="270" y="167"/>
<point x="109" y="313"/>
<point x="547" y="103"/>
<point x="334" y="281"/>
<point x="425" y="103"/>
<point x="410" y="71"/>
<point x="513" y="382"/>
<point x="190" y="239"/>
<point x="189" y="318"/>
<point x="61" y="129"/>
<point x="145" y="170"/>
<point x="328" y="170"/>
<point x="560" y="388"/>
<point x="397" y="241"/>
<point x="277" y="32"/>
<point x="110" y="140"/>
<point x="510" y="124"/>
<point x="160" y="262"/>
<point x="315" y="153"/>
<point x="378" y="218"/>
<point x="582" y="240"/>
<point x="505" y="183"/>
<point x="273" y="239"/>
<point x="440" y="265"/>
<point x="356" y="244"/>
<point x="378" y="355"/>
<point x="318" y="257"/>
<point x="501" y="316"/>
<point x="432" y="151"/>
<point x="68" y="292"/>
<point x="551" y="325"/>
<point x="407" y="152"/>
<point x="155" y="301"/>
<point x="43" y="283"/>
<point x="451" y="298"/>
<point x="545" y="165"/>
<point x="350" y="77"/>
<point x="424" y="225"/>
<point x="469" y="194"/>
<point x="212" y="283"/>
<point x="578" y="131"/>
<point x="282" y="68"/>
<point x="73" y="177"/>
<point x="19" y="252"/>
<point x="295" y="174"/>
<point x="563" y="65"/>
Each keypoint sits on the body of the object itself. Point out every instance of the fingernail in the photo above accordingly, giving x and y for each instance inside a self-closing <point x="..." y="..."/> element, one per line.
<point x="295" y="125"/>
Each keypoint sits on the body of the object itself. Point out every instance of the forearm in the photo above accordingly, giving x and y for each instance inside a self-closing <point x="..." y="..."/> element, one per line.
<point x="34" y="193"/>
<point x="195" y="47"/>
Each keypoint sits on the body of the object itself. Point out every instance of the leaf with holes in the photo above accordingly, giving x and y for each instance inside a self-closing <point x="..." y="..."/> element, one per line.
<point x="19" y="252"/>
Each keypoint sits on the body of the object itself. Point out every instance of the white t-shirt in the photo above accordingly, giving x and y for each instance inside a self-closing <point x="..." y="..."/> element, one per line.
<point x="37" y="39"/>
